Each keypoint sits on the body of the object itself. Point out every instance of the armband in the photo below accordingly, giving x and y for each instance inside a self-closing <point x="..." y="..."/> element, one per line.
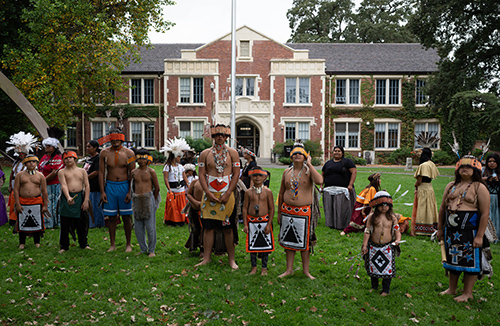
<point x="367" y="231"/>
<point x="395" y="227"/>
<point x="131" y="159"/>
<point x="236" y="164"/>
<point x="201" y="165"/>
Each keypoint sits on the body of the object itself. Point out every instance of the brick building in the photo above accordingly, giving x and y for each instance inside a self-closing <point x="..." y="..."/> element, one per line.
<point x="356" y="95"/>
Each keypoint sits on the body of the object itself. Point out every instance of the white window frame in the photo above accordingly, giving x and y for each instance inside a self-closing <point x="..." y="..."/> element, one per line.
<point x="65" y="141"/>
<point x="191" y="91"/>
<point x="143" y="122"/>
<point x="417" y="91"/>
<point x="387" y="91"/>
<point x="104" y="123"/>
<point x="142" y="90"/>
<point x="427" y="122"/>
<point x="386" y="132"/>
<point x="348" y="91"/>
<point x="296" y="120"/>
<point x="178" y="120"/>
<point x="244" y="90"/>
<point x="348" y="121"/>
<point x="297" y="88"/>
<point x="243" y="57"/>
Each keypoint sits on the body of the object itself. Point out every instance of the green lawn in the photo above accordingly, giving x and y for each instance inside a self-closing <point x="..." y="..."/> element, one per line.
<point x="43" y="287"/>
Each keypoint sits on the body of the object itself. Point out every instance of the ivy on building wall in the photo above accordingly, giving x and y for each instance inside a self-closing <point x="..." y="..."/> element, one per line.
<point x="131" y="111"/>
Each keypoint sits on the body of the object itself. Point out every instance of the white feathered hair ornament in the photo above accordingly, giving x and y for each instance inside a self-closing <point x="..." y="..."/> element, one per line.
<point x="22" y="143"/>
<point x="176" y="146"/>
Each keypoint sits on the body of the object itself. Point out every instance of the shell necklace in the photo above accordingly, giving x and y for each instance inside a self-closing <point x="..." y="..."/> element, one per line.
<point x="294" y="182"/>
<point x="220" y="156"/>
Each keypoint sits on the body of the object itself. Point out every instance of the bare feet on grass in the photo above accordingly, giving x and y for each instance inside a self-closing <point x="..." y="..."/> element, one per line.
<point x="462" y="298"/>
<point x="203" y="262"/>
<point x="233" y="265"/>
<point x="62" y="251"/>
<point x="21" y="247"/>
<point x="264" y="272"/>
<point x="448" y="291"/>
<point x="384" y="294"/>
<point x="37" y="245"/>
<point x="112" y="248"/>
<point x="128" y="248"/>
<point x="151" y="254"/>
<point x="253" y="271"/>
<point x="310" y="276"/>
<point x="285" y="274"/>
<point x="87" y="248"/>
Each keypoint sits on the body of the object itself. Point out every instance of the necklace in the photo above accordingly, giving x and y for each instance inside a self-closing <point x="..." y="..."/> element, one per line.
<point x="294" y="182"/>
<point x="116" y="154"/>
<point x="258" y="190"/>
<point x="460" y="199"/>
<point x="220" y="156"/>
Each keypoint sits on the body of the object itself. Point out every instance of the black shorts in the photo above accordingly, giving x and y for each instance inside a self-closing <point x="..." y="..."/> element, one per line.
<point x="210" y="224"/>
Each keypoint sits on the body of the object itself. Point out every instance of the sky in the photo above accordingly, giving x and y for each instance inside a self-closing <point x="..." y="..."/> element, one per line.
<point x="202" y="21"/>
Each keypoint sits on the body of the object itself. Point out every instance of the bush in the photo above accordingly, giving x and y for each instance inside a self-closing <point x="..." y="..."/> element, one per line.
<point x="200" y="144"/>
<point x="285" y="160"/>
<point x="158" y="157"/>
<point x="355" y="159"/>
<point x="399" y="156"/>
<point x="443" y="158"/>
<point x="316" y="161"/>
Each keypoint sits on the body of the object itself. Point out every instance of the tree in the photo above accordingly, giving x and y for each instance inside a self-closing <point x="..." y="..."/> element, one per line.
<point x="466" y="34"/>
<point x="319" y="21"/>
<point x="382" y="21"/>
<point x="71" y="52"/>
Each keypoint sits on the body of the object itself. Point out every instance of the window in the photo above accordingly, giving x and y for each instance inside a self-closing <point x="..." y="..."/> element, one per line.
<point x="245" y="86"/>
<point x="347" y="134"/>
<point x="433" y="128"/>
<point x="142" y="134"/>
<point x="244" y="48"/>
<point x="420" y="97"/>
<point x="297" y="130"/>
<point x="347" y="95"/>
<point x="70" y="140"/>
<point x="387" y="91"/>
<point x="142" y="91"/>
<point x="294" y="86"/>
<point x="191" y="90"/>
<point x="387" y="135"/>
<point x="192" y="129"/>
<point x="99" y="129"/>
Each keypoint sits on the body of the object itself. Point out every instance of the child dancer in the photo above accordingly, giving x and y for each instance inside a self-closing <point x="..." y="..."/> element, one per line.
<point x="145" y="201"/>
<point x="381" y="242"/>
<point x="258" y="212"/>
<point x="31" y="198"/>
<point x="190" y="170"/>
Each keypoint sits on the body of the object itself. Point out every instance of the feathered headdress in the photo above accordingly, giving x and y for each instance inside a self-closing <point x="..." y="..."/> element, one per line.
<point x="176" y="146"/>
<point x="427" y="139"/>
<point x="22" y="143"/>
<point x="54" y="135"/>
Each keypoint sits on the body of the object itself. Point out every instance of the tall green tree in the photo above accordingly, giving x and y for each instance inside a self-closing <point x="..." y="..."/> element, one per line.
<point x="466" y="34"/>
<point x="319" y="21"/>
<point x="382" y="21"/>
<point x="71" y="52"/>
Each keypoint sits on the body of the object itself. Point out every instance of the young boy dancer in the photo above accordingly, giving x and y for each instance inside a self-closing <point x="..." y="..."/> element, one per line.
<point x="258" y="212"/>
<point x="31" y="198"/>
<point x="75" y="191"/>
<point x="145" y="201"/>
<point x="381" y="242"/>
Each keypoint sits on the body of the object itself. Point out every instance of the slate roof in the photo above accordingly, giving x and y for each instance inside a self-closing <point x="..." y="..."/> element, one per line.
<point x="345" y="58"/>
<point x="340" y="58"/>
<point x="152" y="59"/>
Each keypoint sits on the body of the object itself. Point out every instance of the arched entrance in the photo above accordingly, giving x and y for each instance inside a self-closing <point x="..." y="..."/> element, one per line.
<point x="248" y="136"/>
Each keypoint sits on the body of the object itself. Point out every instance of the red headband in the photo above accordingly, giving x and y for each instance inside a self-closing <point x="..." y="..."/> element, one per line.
<point x="70" y="154"/>
<point x="257" y="172"/>
<point x="110" y="137"/>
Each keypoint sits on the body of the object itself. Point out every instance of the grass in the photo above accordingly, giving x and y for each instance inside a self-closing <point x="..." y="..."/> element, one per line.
<point x="43" y="287"/>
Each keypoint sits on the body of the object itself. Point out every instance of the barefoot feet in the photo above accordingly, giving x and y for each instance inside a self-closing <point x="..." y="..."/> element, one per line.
<point x="128" y="248"/>
<point x="253" y="271"/>
<point x="21" y="247"/>
<point x="151" y="254"/>
<point x="462" y="298"/>
<point x="448" y="291"/>
<point x="112" y="248"/>
<point x="264" y="272"/>
<point x="285" y="274"/>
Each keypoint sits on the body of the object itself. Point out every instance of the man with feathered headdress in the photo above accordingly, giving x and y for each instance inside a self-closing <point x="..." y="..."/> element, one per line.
<point x="176" y="181"/>
<point x="22" y="144"/>
<point x="116" y="162"/>
<point x="219" y="168"/>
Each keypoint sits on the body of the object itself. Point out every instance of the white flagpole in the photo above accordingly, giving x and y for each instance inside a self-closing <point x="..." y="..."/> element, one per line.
<point x="233" y="74"/>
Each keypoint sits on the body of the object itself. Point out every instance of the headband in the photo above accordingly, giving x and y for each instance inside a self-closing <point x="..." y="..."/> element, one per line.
<point x="69" y="154"/>
<point x="50" y="142"/>
<point x="381" y="197"/>
<point x="257" y="172"/>
<point x="30" y="158"/>
<point x="147" y="157"/>
<point x="110" y="137"/>
<point x="246" y="151"/>
<point x="470" y="161"/>
<point x="214" y="130"/>
<point x="189" y="167"/>
<point x="298" y="150"/>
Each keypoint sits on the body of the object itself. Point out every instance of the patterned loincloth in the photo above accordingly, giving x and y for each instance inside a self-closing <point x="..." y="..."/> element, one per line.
<point x="295" y="231"/>
<point x="379" y="261"/>
<point x="30" y="219"/>
<point x="257" y="240"/>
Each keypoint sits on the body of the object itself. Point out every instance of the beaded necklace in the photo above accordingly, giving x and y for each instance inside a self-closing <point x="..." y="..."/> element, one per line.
<point x="117" y="151"/>
<point x="220" y="156"/>
<point x="294" y="182"/>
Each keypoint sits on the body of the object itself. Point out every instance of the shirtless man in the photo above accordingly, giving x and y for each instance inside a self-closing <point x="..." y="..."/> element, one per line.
<point x="116" y="161"/>
<point x="295" y="201"/>
<point x="258" y="213"/>
<point x="31" y="201"/>
<point x="219" y="168"/>
<point x="75" y="191"/>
